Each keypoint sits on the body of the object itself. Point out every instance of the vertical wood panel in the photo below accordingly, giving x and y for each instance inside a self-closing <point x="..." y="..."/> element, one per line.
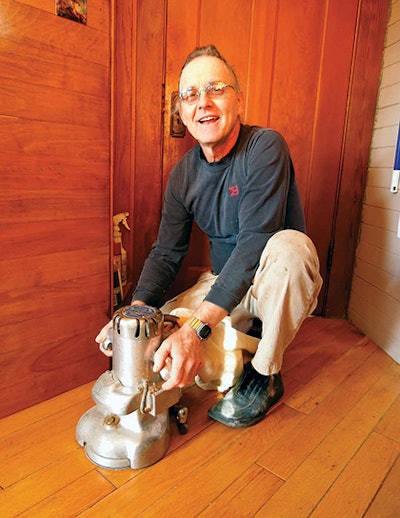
<point x="180" y="40"/>
<point x="228" y="26"/>
<point x="261" y="62"/>
<point x="328" y="131"/>
<point x="182" y="36"/>
<point x="54" y="161"/>
<point x="138" y="105"/>
<point x="124" y="117"/>
<point x="360" y="118"/>
<point x="148" y="98"/>
<point x="297" y="51"/>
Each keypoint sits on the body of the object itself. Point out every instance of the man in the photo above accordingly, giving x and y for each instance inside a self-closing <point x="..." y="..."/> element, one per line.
<point x="238" y="185"/>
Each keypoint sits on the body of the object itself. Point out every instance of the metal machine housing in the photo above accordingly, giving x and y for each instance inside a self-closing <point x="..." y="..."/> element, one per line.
<point x="129" y="426"/>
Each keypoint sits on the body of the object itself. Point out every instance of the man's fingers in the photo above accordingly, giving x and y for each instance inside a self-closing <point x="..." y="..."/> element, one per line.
<point x="176" y="379"/>
<point x="103" y="335"/>
<point x="160" y="357"/>
<point x="181" y="375"/>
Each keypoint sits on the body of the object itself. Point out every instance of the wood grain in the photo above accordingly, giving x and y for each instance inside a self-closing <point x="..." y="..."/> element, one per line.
<point x="55" y="95"/>
<point x="341" y="456"/>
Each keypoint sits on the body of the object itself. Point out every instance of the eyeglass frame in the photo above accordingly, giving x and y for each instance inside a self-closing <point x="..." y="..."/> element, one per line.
<point x="206" y="89"/>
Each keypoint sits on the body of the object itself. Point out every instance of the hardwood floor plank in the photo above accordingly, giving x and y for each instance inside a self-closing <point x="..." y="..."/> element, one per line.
<point x="332" y="344"/>
<point x="326" y="380"/>
<point x="221" y="470"/>
<point x="39" y="444"/>
<point x="209" y="464"/>
<point x="41" y="455"/>
<point x="72" y="499"/>
<point x="355" y="488"/>
<point x="313" y="478"/>
<point x="27" y="417"/>
<point x="36" y="431"/>
<point x="117" y="477"/>
<point x="245" y="495"/>
<point x="389" y="425"/>
<point x="315" y="426"/>
<point x="43" y="483"/>
<point x="155" y="481"/>
<point x="386" y="503"/>
<point x="311" y="334"/>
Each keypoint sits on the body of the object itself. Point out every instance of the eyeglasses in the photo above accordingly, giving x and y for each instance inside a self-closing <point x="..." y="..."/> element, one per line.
<point x="214" y="90"/>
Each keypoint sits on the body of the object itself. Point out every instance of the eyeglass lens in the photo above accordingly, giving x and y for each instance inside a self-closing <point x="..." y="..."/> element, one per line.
<point x="192" y="94"/>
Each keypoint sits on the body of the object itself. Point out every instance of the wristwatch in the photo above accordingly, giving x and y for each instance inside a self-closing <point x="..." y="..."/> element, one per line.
<point x="203" y="330"/>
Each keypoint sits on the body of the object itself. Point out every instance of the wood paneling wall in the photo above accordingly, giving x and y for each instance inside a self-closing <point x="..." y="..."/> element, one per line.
<point x="375" y="296"/>
<point x="55" y="192"/>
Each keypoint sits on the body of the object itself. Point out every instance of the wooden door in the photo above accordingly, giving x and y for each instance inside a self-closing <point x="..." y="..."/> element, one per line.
<point x="308" y="68"/>
<point x="296" y="63"/>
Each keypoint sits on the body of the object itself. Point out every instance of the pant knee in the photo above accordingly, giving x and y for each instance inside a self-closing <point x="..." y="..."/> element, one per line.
<point x="291" y="257"/>
<point x="291" y="249"/>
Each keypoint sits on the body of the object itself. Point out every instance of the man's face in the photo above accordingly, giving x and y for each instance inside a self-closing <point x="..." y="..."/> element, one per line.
<point x="210" y="121"/>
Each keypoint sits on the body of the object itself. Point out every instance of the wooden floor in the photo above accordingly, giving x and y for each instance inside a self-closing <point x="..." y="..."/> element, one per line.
<point x="330" y="448"/>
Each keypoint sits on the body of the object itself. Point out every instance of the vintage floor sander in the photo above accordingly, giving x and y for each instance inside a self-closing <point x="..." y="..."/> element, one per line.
<point x="130" y="425"/>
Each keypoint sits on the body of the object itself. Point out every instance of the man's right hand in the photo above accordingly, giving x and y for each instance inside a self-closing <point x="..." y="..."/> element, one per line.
<point x="105" y="332"/>
<point x="103" y="336"/>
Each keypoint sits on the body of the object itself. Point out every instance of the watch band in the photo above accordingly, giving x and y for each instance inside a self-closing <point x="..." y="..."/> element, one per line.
<point x="202" y="330"/>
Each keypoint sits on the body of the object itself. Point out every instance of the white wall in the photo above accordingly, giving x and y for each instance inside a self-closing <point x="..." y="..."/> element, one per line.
<point x="375" y="295"/>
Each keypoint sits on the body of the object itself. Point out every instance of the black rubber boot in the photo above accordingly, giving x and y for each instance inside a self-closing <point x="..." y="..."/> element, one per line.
<point x="249" y="400"/>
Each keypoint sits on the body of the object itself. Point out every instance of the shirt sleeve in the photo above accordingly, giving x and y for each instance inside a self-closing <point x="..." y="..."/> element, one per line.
<point x="171" y="246"/>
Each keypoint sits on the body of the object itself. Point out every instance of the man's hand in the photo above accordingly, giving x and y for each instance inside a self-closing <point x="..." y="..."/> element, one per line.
<point x="105" y="332"/>
<point x="185" y="352"/>
<point x="184" y="349"/>
<point x="102" y="337"/>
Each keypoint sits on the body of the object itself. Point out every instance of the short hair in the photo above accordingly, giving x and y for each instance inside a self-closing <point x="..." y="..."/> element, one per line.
<point x="211" y="50"/>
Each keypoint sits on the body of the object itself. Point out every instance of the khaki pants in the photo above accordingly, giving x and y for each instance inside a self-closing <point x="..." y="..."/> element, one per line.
<point x="283" y="293"/>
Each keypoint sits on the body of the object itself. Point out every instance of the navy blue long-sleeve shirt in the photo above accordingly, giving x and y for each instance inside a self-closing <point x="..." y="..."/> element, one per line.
<point x="239" y="202"/>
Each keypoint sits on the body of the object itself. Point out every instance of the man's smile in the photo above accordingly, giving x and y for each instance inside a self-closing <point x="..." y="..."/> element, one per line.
<point x="208" y="119"/>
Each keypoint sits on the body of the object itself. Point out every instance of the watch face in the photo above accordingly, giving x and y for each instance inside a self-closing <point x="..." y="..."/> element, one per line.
<point x="204" y="332"/>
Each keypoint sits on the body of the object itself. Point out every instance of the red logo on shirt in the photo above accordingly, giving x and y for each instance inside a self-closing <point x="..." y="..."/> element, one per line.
<point x="234" y="190"/>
